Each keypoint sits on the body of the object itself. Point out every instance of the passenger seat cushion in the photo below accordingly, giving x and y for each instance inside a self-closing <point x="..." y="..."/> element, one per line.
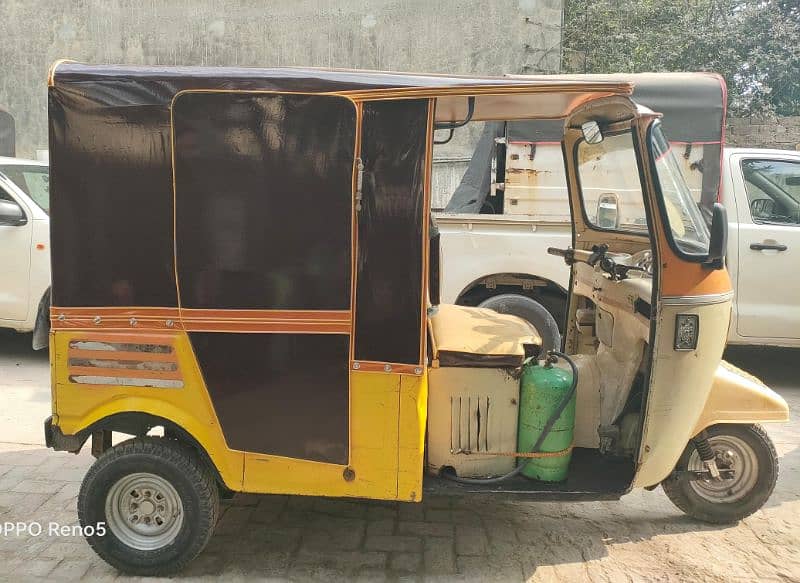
<point x="478" y="337"/>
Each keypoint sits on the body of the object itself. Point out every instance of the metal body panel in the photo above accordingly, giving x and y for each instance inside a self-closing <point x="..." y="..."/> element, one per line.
<point x="472" y="415"/>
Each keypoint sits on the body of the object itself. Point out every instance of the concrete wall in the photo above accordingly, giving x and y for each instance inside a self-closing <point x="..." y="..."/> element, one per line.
<point x="777" y="132"/>
<point x="449" y="36"/>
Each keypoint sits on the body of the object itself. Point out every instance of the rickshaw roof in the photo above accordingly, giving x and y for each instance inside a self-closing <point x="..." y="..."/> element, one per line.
<point x="325" y="80"/>
<point x="545" y="96"/>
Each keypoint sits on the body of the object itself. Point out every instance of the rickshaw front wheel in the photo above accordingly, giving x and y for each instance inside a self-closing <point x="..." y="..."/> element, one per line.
<point x="148" y="506"/>
<point x="745" y="449"/>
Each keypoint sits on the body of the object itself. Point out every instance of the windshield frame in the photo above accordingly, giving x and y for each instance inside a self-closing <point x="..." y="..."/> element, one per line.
<point x="628" y="127"/>
<point x="662" y="208"/>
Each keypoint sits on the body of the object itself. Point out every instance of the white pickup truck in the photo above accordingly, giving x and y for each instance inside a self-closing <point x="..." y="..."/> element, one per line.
<point x="500" y="260"/>
<point x="25" y="247"/>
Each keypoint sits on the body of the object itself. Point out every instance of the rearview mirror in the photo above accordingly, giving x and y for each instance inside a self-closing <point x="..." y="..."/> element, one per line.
<point x="11" y="214"/>
<point x="718" y="243"/>
<point x="608" y="211"/>
<point x="591" y="132"/>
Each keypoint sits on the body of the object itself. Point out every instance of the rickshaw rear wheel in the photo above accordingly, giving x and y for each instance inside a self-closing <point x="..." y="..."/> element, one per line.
<point x="157" y="503"/>
<point x="748" y="450"/>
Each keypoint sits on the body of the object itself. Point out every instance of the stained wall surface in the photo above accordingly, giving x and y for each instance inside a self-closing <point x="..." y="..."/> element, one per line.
<point x="450" y="36"/>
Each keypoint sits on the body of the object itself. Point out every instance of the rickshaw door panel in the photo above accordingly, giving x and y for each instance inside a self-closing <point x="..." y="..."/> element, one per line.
<point x="263" y="223"/>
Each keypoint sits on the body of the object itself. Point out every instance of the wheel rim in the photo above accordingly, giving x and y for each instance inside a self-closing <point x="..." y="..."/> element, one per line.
<point x="144" y="511"/>
<point x="730" y="453"/>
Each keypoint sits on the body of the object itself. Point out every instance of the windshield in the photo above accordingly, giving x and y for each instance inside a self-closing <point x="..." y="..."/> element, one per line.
<point x="611" y="191"/>
<point x="689" y="230"/>
<point x="32" y="180"/>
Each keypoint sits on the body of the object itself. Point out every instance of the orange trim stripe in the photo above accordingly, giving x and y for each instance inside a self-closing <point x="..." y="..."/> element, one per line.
<point x="130" y="373"/>
<point x="203" y="320"/>
<point x="369" y="366"/>
<point x="127" y="337"/>
<point x="266" y="315"/>
<point x="285" y="327"/>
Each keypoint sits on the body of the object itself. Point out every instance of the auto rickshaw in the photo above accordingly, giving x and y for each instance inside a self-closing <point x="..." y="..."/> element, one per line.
<point x="243" y="282"/>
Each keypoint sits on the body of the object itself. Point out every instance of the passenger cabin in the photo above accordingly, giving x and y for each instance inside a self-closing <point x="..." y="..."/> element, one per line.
<point x="257" y="242"/>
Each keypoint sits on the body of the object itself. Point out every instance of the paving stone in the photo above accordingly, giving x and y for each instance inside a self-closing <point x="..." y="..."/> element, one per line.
<point x="38" y="486"/>
<point x="260" y="565"/>
<point x="437" y="501"/>
<point x="28" y="567"/>
<point x="425" y="528"/>
<point x="301" y="502"/>
<point x="469" y="517"/>
<point x="14" y="476"/>
<point x="340" y="508"/>
<point x="20" y="505"/>
<point x="246" y="500"/>
<point x="274" y="536"/>
<point x="439" y="556"/>
<point x="371" y="575"/>
<point x="345" y="539"/>
<point x="394" y="543"/>
<point x="500" y="569"/>
<point x="234" y="520"/>
<point x="411" y="511"/>
<point x="438" y="515"/>
<point x="471" y="540"/>
<point x="378" y="512"/>
<point x="268" y="509"/>
<point x="381" y="526"/>
<point x="348" y="559"/>
<point x="405" y="562"/>
<point x="70" y="570"/>
<point x="100" y="573"/>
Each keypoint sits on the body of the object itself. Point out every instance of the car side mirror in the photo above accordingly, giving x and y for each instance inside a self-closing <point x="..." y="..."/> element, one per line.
<point x="11" y="214"/>
<point x="718" y="243"/>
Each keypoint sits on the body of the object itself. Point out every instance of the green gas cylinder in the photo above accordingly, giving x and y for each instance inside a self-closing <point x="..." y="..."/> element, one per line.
<point x="542" y="388"/>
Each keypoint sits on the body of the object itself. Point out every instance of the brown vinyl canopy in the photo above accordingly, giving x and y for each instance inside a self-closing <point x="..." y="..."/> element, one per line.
<point x="496" y="98"/>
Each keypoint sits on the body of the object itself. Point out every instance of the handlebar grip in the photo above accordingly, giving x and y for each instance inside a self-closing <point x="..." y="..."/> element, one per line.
<point x="558" y="252"/>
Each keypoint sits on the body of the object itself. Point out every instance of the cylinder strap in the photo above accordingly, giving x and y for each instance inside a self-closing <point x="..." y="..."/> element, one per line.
<point x="536" y="455"/>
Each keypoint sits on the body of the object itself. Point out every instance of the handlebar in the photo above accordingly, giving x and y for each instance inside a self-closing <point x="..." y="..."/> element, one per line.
<point x="593" y="257"/>
<point x="558" y="252"/>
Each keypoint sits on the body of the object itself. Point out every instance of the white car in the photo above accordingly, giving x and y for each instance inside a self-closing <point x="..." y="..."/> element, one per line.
<point x="25" y="247"/>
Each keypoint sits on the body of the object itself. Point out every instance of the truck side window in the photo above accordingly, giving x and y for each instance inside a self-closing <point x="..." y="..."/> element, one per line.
<point x="611" y="191"/>
<point x="773" y="191"/>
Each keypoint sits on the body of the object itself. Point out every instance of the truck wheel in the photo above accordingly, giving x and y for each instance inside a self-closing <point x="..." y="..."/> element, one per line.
<point x="148" y="506"/>
<point x="530" y="310"/>
<point x="748" y="451"/>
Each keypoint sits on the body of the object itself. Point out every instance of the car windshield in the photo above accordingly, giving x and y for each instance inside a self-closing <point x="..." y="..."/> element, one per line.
<point x="31" y="179"/>
<point x="689" y="230"/>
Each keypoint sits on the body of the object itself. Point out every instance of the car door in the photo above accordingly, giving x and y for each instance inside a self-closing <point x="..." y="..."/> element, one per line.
<point x="768" y="282"/>
<point x="15" y="259"/>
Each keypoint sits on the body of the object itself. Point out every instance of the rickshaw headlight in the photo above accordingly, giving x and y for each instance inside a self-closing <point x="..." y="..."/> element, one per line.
<point x="687" y="329"/>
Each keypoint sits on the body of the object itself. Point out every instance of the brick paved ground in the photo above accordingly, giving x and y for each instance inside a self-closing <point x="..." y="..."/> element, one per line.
<point x="641" y="538"/>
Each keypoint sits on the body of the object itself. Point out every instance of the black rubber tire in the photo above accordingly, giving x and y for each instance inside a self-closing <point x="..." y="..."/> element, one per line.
<point x="530" y="310"/>
<point x="685" y="498"/>
<point x="182" y="467"/>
